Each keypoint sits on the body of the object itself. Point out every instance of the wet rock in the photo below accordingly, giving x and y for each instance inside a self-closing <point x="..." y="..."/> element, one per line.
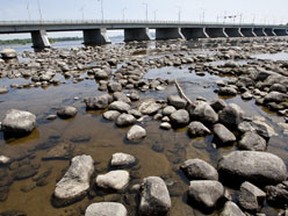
<point x="136" y="113"/>
<point x="114" y="87"/>
<point x="252" y="141"/>
<point x="3" y="90"/>
<point x="224" y="135"/>
<point x="274" y="96"/>
<point x="218" y="105"/>
<point x="180" y="118"/>
<point x="80" y="139"/>
<point x="136" y="132"/>
<point x="106" y="209"/>
<point x="75" y="183"/>
<point x="204" y="113"/>
<point x="259" y="168"/>
<point x="8" y="53"/>
<point x="205" y="193"/>
<point x="262" y="128"/>
<point x="24" y="172"/>
<point x="99" y="102"/>
<point x="251" y="197"/>
<point x="4" y="160"/>
<point x="4" y="192"/>
<point x="165" y="125"/>
<point x="120" y="96"/>
<point x="168" y="110"/>
<point x="149" y="107"/>
<point x="101" y="74"/>
<point x="196" y="128"/>
<point x="277" y="195"/>
<point x="247" y="95"/>
<point x="67" y="112"/>
<point x="115" y="180"/>
<point x="18" y="122"/>
<point x="111" y="115"/>
<point x="122" y="160"/>
<point x="119" y="106"/>
<point x="61" y="151"/>
<point x="51" y="117"/>
<point x="227" y="91"/>
<point x="125" y="120"/>
<point x="278" y="88"/>
<point x="231" y="116"/>
<point x="197" y="169"/>
<point x="155" y="198"/>
<point x="177" y="101"/>
<point x="231" y="209"/>
<point x="13" y="213"/>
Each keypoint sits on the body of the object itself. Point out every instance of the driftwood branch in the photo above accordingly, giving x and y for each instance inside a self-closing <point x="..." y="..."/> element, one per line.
<point x="182" y="94"/>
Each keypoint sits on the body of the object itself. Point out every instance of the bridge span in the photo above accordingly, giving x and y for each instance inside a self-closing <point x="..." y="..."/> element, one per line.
<point x="94" y="31"/>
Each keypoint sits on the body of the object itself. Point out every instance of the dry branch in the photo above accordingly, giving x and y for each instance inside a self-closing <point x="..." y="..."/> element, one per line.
<point x="182" y="94"/>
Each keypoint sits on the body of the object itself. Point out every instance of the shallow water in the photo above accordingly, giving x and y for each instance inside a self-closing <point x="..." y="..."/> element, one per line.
<point x="159" y="154"/>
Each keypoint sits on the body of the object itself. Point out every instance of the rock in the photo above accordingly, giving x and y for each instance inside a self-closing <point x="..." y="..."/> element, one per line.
<point x="206" y="193"/>
<point x="67" y="112"/>
<point x="75" y="183"/>
<point x="149" y="107"/>
<point x="218" y="105"/>
<point x="115" y="180"/>
<point x="204" y="113"/>
<point x="119" y="106"/>
<point x="165" y="125"/>
<point x="247" y="95"/>
<point x="278" y="88"/>
<point x="25" y="171"/>
<point x="155" y="198"/>
<point x="224" y="135"/>
<point x="13" y="213"/>
<point x="277" y="195"/>
<point x="18" y="122"/>
<point x="259" y="168"/>
<point x="231" y="209"/>
<point x="251" y="197"/>
<point x="101" y="74"/>
<point x="180" y="118"/>
<point x="231" y="116"/>
<point x="122" y="160"/>
<point x="59" y="152"/>
<point x="3" y="90"/>
<point x="275" y="96"/>
<point x="51" y="117"/>
<point x="177" y="101"/>
<point x="106" y="209"/>
<point x="168" y="110"/>
<point x="111" y="115"/>
<point x="136" y="113"/>
<point x="196" y="128"/>
<point x="252" y="141"/>
<point x="197" y="169"/>
<point x="4" y="160"/>
<point x="227" y="91"/>
<point x="262" y="128"/>
<point x="125" y="120"/>
<point x="99" y="102"/>
<point x="114" y="87"/>
<point x="120" y="96"/>
<point x="136" y="132"/>
<point x="8" y="53"/>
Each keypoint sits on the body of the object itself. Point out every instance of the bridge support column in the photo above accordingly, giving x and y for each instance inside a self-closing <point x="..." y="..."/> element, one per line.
<point x="269" y="32"/>
<point x="95" y="37"/>
<point x="194" y="33"/>
<point x="40" y="39"/>
<point x="280" y="32"/>
<point x="216" y="32"/>
<point x="248" y="32"/>
<point x="259" y="32"/>
<point x="233" y="32"/>
<point x="168" y="33"/>
<point x="137" y="34"/>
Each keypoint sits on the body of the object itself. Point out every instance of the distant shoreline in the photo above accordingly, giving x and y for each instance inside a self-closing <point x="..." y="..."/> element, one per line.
<point x="29" y="41"/>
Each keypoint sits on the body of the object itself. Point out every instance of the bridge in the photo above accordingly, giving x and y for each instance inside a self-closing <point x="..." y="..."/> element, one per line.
<point x="94" y="31"/>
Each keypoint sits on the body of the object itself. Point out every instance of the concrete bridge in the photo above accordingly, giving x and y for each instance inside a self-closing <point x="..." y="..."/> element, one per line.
<point x="94" y="31"/>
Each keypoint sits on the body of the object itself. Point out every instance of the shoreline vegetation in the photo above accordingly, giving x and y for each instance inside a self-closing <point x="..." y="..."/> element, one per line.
<point x="29" y="40"/>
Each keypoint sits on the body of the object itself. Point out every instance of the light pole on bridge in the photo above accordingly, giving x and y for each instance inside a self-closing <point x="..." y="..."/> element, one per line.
<point x="40" y="11"/>
<point x="123" y="13"/>
<point x="146" y="12"/>
<point x="155" y="14"/>
<point x="102" y="10"/>
<point x="179" y="13"/>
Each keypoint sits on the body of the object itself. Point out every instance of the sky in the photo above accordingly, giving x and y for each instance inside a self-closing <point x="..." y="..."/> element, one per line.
<point x="239" y="11"/>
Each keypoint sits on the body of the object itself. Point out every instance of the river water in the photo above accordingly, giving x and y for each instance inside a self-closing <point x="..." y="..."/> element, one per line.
<point x="159" y="154"/>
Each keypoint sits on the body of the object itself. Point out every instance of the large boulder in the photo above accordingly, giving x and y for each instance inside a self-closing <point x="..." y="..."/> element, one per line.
<point x="224" y="135"/>
<point x="259" y="168"/>
<point x="204" y="113"/>
<point x="115" y="180"/>
<point x="231" y="116"/>
<point x="252" y="141"/>
<point x="149" y="107"/>
<point x="106" y="209"/>
<point x="205" y="193"/>
<point x="231" y="209"/>
<point x="196" y="128"/>
<point x="125" y="120"/>
<point x="177" y="101"/>
<point x="136" y="132"/>
<point x="67" y="112"/>
<point x="155" y="198"/>
<point x="197" y="169"/>
<point x="99" y="102"/>
<point x="180" y="118"/>
<point x="18" y="122"/>
<point x="76" y="181"/>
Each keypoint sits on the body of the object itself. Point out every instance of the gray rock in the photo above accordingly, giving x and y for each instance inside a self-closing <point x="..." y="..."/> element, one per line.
<point x="197" y="169"/>
<point x="203" y="112"/>
<point x="99" y="102"/>
<point x="119" y="106"/>
<point x="278" y="88"/>
<point x="136" y="132"/>
<point x="275" y="96"/>
<point x="231" y="209"/>
<point x="227" y="91"/>
<point x="3" y="90"/>
<point x="277" y="195"/>
<point x="8" y="53"/>
<point x="120" y="96"/>
<point x="125" y="120"/>
<point x="18" y="122"/>
<point x="4" y="160"/>
<point x="116" y="180"/>
<point x="251" y="197"/>
<point x="165" y="125"/>
<point x="206" y="193"/>
<point x="224" y="135"/>
<point x="155" y="198"/>
<point x="231" y="116"/>
<point x="196" y="128"/>
<point x="136" y="113"/>
<point x="259" y="168"/>
<point x="218" y="105"/>
<point x="114" y="87"/>
<point x="75" y="183"/>
<point x="168" y="110"/>
<point x="106" y="209"/>
<point x="180" y="118"/>
<point x="247" y="95"/>
<point x="252" y="141"/>
<point x="111" y="115"/>
<point x="149" y="107"/>
<point x="177" y="101"/>
<point x="122" y="160"/>
<point x="101" y="74"/>
<point x="262" y="128"/>
<point x="67" y="112"/>
<point x="60" y="151"/>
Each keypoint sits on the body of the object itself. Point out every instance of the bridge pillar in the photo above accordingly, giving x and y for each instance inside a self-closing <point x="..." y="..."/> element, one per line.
<point x="280" y="32"/>
<point x="233" y="32"/>
<point x="40" y="39"/>
<point x="194" y="33"/>
<point x="248" y="32"/>
<point x="136" y="34"/>
<point x="216" y="32"/>
<point x="168" y="33"/>
<point x="259" y="32"/>
<point x="269" y="32"/>
<point x="95" y="37"/>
